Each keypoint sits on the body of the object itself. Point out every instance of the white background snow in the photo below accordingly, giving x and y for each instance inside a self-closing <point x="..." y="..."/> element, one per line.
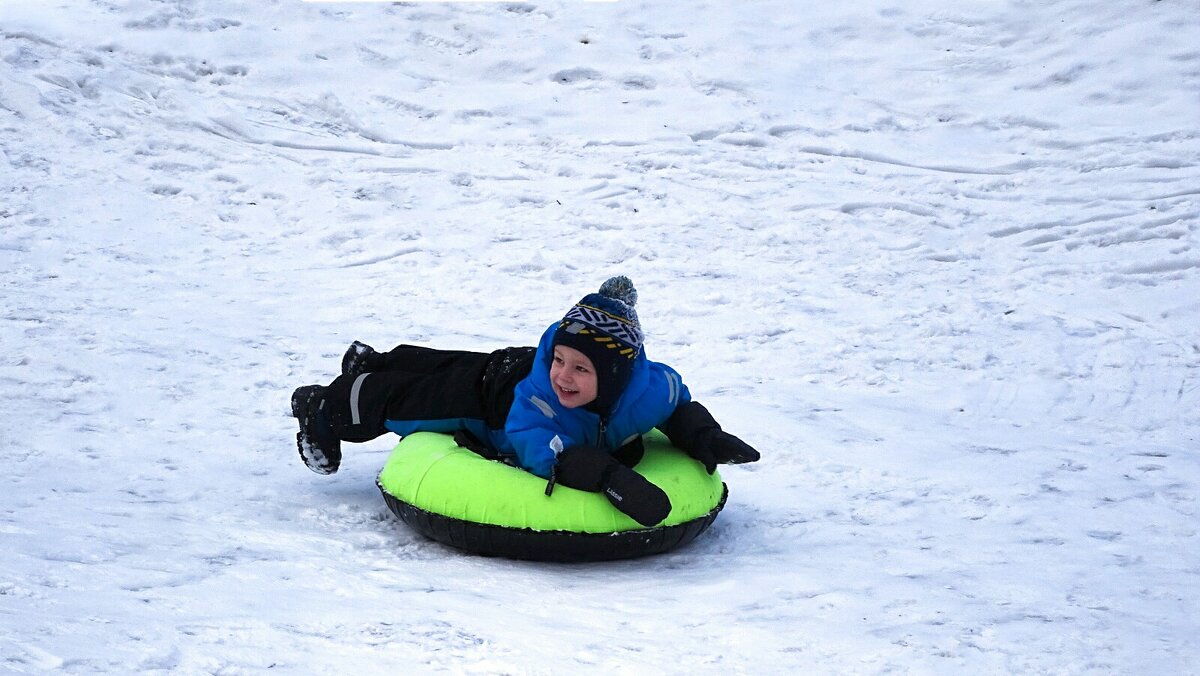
<point x="937" y="260"/>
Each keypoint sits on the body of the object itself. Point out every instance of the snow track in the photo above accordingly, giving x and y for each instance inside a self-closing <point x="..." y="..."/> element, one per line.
<point x="938" y="262"/>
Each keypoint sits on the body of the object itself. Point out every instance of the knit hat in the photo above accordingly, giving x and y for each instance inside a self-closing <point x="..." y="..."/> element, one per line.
<point x="605" y="327"/>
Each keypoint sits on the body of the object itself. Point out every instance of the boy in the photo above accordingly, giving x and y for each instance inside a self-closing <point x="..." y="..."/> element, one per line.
<point x="572" y="410"/>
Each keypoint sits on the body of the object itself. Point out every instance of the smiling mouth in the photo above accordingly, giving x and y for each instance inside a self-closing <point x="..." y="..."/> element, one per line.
<point x="566" y="391"/>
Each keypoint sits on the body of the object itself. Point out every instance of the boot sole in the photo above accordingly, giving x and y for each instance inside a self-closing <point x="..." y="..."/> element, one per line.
<point x="356" y="354"/>
<point x="312" y="456"/>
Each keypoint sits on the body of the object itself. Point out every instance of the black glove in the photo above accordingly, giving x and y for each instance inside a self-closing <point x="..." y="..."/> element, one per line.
<point x="590" y="469"/>
<point x="720" y="447"/>
<point x="692" y="429"/>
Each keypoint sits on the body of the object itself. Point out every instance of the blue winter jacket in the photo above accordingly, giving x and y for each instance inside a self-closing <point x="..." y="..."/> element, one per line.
<point x="539" y="427"/>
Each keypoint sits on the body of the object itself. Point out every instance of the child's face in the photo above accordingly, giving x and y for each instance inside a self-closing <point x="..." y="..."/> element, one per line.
<point x="573" y="377"/>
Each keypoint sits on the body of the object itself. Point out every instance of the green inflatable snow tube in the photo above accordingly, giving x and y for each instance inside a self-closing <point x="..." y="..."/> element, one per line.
<point x="462" y="499"/>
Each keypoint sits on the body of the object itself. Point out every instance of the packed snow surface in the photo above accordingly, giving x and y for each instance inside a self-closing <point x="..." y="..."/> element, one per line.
<point x="936" y="260"/>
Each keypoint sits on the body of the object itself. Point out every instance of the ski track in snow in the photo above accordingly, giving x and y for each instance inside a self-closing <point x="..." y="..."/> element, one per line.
<point x="938" y="263"/>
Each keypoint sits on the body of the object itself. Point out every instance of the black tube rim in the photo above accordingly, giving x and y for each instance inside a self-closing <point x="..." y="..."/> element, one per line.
<point x="562" y="546"/>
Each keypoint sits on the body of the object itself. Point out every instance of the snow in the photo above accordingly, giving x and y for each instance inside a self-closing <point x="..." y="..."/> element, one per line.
<point x="937" y="261"/>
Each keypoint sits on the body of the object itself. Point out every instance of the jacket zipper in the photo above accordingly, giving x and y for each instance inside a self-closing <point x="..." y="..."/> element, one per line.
<point x="599" y="444"/>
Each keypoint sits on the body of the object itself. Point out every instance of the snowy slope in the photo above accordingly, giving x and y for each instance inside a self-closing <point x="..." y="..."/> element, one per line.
<point x="937" y="260"/>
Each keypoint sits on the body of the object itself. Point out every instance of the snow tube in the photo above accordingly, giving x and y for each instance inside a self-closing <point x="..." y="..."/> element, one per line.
<point x="459" y="498"/>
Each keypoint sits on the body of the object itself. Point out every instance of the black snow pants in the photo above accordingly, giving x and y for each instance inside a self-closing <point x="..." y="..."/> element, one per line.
<point x="419" y="389"/>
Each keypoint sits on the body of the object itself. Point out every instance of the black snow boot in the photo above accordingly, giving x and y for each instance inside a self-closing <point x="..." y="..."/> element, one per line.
<point x="359" y="358"/>
<point x="319" y="447"/>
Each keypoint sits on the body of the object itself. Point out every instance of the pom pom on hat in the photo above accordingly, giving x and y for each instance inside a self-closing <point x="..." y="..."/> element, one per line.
<point x="620" y="288"/>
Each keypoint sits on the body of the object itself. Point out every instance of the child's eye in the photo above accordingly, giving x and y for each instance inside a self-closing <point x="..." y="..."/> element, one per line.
<point x="581" y="369"/>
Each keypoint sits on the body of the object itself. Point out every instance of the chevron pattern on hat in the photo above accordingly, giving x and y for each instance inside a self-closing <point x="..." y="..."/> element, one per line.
<point x="610" y="325"/>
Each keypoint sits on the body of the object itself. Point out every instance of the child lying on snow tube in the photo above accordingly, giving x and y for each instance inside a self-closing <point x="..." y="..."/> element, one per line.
<point x="572" y="411"/>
